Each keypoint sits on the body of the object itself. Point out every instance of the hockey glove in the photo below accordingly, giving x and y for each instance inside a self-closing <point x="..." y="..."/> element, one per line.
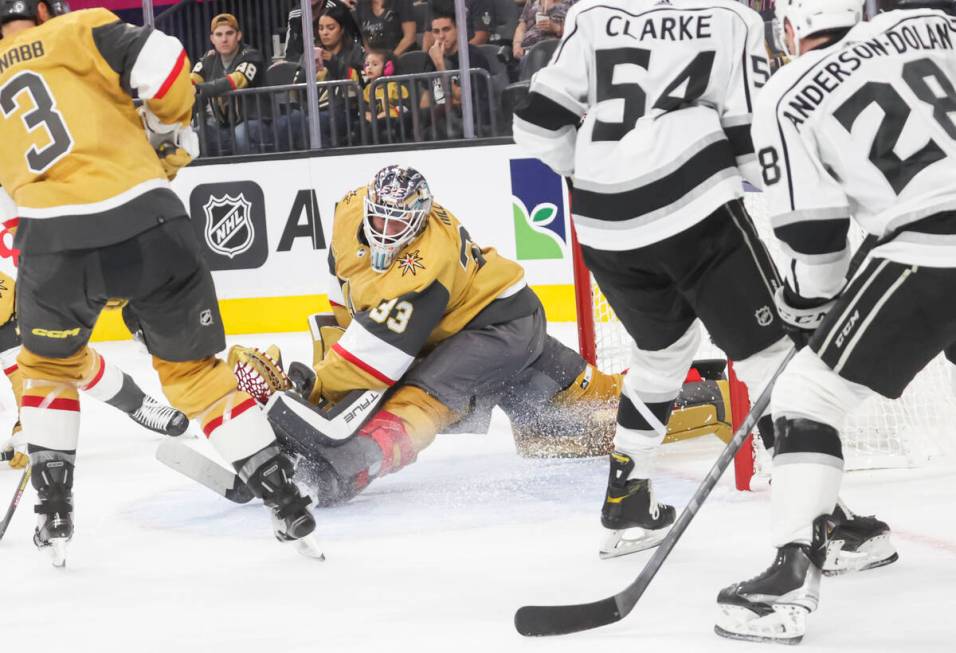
<point x="12" y="450"/>
<point x="258" y="374"/>
<point x="176" y="145"/>
<point x="801" y="316"/>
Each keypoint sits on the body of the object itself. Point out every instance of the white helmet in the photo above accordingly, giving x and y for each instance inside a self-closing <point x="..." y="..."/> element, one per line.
<point x="809" y="17"/>
<point x="399" y="200"/>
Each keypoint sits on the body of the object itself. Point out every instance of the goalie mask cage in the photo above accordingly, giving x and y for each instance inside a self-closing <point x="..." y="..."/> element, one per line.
<point x="881" y="433"/>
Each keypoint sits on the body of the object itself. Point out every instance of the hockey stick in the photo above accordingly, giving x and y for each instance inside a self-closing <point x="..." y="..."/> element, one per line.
<point x="540" y="620"/>
<point x="7" y="518"/>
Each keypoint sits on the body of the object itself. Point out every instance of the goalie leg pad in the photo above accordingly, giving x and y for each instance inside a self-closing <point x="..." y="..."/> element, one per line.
<point x="424" y="416"/>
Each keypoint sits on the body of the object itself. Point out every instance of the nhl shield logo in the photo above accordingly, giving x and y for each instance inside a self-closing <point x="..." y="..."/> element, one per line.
<point x="229" y="229"/>
<point x="764" y="316"/>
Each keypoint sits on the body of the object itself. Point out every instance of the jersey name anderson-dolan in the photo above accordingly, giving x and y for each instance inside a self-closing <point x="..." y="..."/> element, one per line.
<point x="899" y="40"/>
<point x="661" y="28"/>
<point x="21" y="54"/>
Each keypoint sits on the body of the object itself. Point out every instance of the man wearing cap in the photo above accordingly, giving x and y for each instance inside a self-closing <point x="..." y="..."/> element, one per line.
<point x="229" y="66"/>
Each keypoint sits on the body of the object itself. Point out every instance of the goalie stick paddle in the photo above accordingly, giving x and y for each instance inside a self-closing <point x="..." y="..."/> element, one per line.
<point x="541" y="620"/>
<point x="192" y="464"/>
<point x="7" y="518"/>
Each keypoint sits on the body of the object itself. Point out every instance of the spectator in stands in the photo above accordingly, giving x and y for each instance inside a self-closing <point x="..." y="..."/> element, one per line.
<point x="443" y="55"/>
<point x="387" y="25"/>
<point x="293" y="34"/>
<point x="540" y="20"/>
<point x="230" y="65"/>
<point x="389" y="105"/>
<point x="479" y="14"/>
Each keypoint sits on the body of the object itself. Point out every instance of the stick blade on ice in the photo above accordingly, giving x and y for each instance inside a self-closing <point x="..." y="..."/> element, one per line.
<point x="543" y="620"/>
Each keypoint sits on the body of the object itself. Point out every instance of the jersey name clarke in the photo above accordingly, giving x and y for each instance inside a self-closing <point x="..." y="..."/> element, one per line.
<point x="661" y="28"/>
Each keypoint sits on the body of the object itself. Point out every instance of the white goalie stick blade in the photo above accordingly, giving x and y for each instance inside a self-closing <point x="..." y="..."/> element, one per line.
<point x="630" y="540"/>
<point x="785" y="624"/>
<point x="311" y="428"/>
<point x="193" y="464"/>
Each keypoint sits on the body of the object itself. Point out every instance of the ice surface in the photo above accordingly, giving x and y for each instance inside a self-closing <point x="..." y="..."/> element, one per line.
<point x="435" y="558"/>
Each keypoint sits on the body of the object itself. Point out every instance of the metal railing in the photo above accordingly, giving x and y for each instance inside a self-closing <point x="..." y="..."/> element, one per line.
<point x="277" y="118"/>
<point x="396" y="129"/>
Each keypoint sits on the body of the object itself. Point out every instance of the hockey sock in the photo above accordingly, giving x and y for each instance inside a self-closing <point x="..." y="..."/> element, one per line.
<point x="50" y="414"/>
<point x="591" y="385"/>
<point x="236" y="427"/>
<point x="111" y="385"/>
<point x="807" y="470"/>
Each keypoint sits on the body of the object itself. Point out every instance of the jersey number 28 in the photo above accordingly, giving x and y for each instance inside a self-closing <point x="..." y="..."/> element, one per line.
<point x="900" y="172"/>
<point x="44" y="114"/>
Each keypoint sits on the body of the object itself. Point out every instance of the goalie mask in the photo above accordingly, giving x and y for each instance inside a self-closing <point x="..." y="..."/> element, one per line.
<point x="809" y="17"/>
<point x="396" y="208"/>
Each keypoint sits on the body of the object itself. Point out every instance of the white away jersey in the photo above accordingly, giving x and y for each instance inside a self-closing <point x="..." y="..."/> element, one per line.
<point x="647" y="104"/>
<point x="863" y="128"/>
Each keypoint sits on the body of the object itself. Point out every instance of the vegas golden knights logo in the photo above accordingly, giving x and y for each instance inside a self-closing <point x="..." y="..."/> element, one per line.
<point x="229" y="229"/>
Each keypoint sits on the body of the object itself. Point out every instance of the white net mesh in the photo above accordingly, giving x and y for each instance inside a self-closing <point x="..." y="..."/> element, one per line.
<point x="911" y="431"/>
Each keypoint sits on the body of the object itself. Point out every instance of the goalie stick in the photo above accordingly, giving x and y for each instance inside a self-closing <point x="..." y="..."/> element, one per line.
<point x="7" y="518"/>
<point x="192" y="464"/>
<point x="540" y="620"/>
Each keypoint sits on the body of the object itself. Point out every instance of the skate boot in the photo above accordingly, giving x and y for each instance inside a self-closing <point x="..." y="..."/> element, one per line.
<point x="635" y="520"/>
<point x="160" y="417"/>
<point x="858" y="543"/>
<point x="52" y="476"/>
<point x="773" y="606"/>
<point x="271" y="481"/>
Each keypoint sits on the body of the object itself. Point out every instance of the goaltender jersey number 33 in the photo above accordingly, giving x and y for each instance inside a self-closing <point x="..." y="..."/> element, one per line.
<point x="439" y="284"/>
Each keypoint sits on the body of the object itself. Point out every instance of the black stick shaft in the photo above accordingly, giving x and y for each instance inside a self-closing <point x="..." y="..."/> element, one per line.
<point x="630" y="596"/>
<point x="7" y="518"/>
<point x="535" y="621"/>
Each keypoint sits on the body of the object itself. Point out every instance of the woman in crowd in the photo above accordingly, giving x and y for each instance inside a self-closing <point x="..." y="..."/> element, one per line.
<point x="540" y="20"/>
<point x="387" y="25"/>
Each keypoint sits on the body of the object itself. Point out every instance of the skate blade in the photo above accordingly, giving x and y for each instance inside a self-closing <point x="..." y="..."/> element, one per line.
<point x="617" y="543"/>
<point x="875" y="552"/>
<point x="308" y="546"/>
<point x="57" y="548"/>
<point x="787" y="624"/>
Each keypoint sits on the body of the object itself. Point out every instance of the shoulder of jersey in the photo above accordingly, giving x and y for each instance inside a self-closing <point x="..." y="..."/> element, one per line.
<point x="784" y="79"/>
<point x="90" y="17"/>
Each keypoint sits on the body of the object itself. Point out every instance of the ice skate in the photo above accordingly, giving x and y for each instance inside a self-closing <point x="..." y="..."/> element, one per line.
<point x="858" y="543"/>
<point x="160" y="418"/>
<point x="631" y="514"/>
<point x="53" y="481"/>
<point x="291" y="519"/>
<point x="773" y="606"/>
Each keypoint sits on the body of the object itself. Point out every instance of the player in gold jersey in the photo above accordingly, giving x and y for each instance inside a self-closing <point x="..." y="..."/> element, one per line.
<point x="98" y="220"/>
<point x="444" y="328"/>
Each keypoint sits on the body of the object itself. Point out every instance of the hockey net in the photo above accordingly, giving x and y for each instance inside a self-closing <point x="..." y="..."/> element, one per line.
<point x="881" y="433"/>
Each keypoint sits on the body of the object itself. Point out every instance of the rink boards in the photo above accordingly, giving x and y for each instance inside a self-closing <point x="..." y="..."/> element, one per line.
<point x="264" y="226"/>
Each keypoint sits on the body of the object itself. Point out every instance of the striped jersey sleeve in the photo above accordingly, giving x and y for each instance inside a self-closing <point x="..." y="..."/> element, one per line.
<point x="806" y="204"/>
<point x="152" y="66"/>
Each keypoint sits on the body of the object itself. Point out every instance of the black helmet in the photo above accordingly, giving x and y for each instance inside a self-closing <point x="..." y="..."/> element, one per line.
<point x="949" y="6"/>
<point x="20" y="10"/>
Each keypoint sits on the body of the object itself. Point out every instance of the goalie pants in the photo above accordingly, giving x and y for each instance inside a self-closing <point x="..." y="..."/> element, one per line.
<point x="891" y="321"/>
<point x="514" y="363"/>
<point x="717" y="271"/>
